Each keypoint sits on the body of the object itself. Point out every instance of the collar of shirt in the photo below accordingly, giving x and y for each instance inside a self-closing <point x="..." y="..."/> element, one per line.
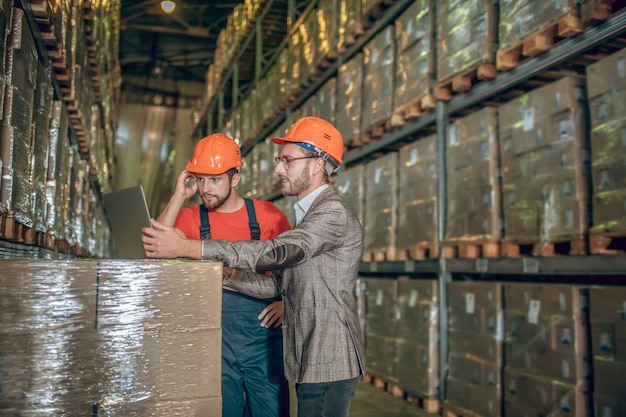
<point x="302" y="206"/>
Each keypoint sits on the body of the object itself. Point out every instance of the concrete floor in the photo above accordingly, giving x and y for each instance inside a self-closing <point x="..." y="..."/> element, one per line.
<point x="374" y="402"/>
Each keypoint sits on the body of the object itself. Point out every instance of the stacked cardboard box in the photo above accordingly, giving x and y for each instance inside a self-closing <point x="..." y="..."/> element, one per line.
<point x="547" y="350"/>
<point x="475" y="357"/>
<point x="16" y="193"/>
<point x="350" y="99"/>
<point x="327" y="31"/>
<point x="472" y="163"/>
<point x="521" y="18"/>
<point x="607" y="314"/>
<point x="418" y="198"/>
<point x="466" y="35"/>
<point x="606" y="87"/>
<point x="349" y="22"/>
<point x="381" y="205"/>
<point x="415" y="64"/>
<point x="111" y="338"/>
<point x="417" y="364"/>
<point x="5" y="22"/>
<point x="378" y="77"/>
<point x="544" y="153"/>
<point x="351" y="185"/>
<point x="381" y="324"/>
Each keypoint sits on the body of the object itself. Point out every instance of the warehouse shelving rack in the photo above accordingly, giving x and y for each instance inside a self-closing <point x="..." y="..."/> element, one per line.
<point x="598" y="269"/>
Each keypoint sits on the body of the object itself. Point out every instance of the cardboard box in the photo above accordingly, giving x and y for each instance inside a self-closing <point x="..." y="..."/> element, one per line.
<point x="544" y="396"/>
<point x="608" y="406"/>
<point x="417" y="308"/>
<point x="544" y="150"/>
<point x="381" y="356"/>
<point x="381" y="309"/>
<point x="378" y="75"/>
<point x="381" y="203"/>
<point x="350" y="98"/>
<point x="417" y="369"/>
<point x="609" y="377"/>
<point x="466" y="35"/>
<point x="120" y="334"/>
<point x="351" y="185"/>
<point x="415" y="64"/>
<point x="418" y="179"/>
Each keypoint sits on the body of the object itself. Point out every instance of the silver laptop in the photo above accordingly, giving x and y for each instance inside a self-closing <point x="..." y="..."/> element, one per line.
<point x="128" y="213"/>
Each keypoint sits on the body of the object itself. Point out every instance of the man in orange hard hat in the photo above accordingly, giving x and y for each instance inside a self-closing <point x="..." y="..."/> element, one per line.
<point x="323" y="348"/>
<point x="253" y="381"/>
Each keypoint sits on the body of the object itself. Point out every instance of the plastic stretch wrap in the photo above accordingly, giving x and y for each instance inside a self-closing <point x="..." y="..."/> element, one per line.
<point x="466" y="35"/>
<point x="327" y="29"/>
<point x="417" y="368"/>
<point x="378" y="78"/>
<point x="417" y="203"/>
<point x="350" y="98"/>
<point x="351" y="185"/>
<point x="547" y="351"/>
<point x="415" y="63"/>
<point x="349" y="22"/>
<point x="113" y="338"/>
<point x="473" y="167"/>
<point x="544" y="152"/>
<point x="475" y="318"/>
<point x="16" y="194"/>
<point x="520" y="18"/>
<point x="381" y="203"/>
<point x="606" y="84"/>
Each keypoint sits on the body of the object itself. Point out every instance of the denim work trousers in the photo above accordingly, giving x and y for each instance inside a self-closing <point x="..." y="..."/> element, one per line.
<point x="326" y="399"/>
<point x="252" y="361"/>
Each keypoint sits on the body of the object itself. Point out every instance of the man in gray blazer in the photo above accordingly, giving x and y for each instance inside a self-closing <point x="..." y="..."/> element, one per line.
<point x="323" y="347"/>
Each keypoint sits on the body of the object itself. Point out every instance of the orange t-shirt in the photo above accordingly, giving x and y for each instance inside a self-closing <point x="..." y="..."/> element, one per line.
<point x="234" y="226"/>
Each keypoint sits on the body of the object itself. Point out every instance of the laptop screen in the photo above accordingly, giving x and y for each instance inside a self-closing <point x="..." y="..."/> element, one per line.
<point x="127" y="212"/>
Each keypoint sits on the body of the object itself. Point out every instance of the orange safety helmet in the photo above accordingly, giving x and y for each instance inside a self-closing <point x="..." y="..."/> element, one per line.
<point x="317" y="135"/>
<point x="214" y="155"/>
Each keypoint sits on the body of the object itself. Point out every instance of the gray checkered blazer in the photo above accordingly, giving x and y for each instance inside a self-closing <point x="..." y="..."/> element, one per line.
<point x="320" y="259"/>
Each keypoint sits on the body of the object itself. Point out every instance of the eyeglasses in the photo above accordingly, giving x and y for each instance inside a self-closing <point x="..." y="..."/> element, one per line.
<point x="287" y="160"/>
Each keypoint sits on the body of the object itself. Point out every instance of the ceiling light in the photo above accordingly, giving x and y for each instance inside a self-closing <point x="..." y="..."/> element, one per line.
<point x="168" y="6"/>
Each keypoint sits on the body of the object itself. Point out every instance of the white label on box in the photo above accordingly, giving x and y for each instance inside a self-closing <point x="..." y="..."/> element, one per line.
<point x="512" y="386"/>
<point x="529" y="119"/>
<point x="469" y="303"/>
<point x="414" y="155"/>
<point x="345" y="188"/>
<point x="621" y="67"/>
<point x="482" y="265"/>
<point x="530" y="265"/>
<point x="544" y="395"/>
<point x="566" y="336"/>
<point x="452" y="136"/>
<point x="533" y="311"/>
<point x="527" y="361"/>
<point x="605" y="342"/>
<point x="500" y="326"/>
<point x="566" y="407"/>
<point x="379" y="297"/>
<point x="413" y="298"/>
<point x="565" y="366"/>
<point x="557" y="4"/>
<point x="563" y="301"/>
<point x="409" y="265"/>
<point x="606" y="411"/>
<point x="377" y="175"/>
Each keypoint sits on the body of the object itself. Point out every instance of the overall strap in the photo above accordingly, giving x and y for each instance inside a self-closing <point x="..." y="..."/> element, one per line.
<point x="255" y="230"/>
<point x="205" y="227"/>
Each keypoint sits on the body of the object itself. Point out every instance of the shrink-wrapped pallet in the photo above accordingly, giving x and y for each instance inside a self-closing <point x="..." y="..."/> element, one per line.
<point x="350" y="99"/>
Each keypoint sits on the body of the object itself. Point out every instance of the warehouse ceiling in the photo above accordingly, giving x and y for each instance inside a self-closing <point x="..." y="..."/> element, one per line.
<point x="173" y="47"/>
<point x="159" y="51"/>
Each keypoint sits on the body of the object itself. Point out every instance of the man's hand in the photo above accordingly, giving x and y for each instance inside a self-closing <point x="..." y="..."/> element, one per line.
<point x="160" y="241"/>
<point x="272" y="315"/>
<point x="183" y="189"/>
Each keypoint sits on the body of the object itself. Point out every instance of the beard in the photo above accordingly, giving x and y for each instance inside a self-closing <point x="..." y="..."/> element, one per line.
<point x="296" y="185"/>
<point x="218" y="200"/>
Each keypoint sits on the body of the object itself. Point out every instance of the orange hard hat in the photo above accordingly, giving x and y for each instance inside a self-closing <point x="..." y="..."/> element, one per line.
<point x="317" y="135"/>
<point x="214" y="155"/>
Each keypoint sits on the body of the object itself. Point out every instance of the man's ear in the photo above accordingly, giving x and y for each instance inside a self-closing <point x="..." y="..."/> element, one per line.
<point x="235" y="180"/>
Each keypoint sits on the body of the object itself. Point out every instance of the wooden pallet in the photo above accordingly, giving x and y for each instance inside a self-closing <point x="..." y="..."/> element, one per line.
<point x="539" y="41"/>
<point x="376" y="12"/>
<point x="379" y="129"/>
<point x="14" y="231"/>
<point x="408" y="113"/>
<point x="350" y="38"/>
<point x="596" y="12"/>
<point x="607" y="243"/>
<point x="571" y="246"/>
<point x="429" y="405"/>
<point x="418" y="252"/>
<point x="464" y="80"/>
<point x="489" y="250"/>
<point x="388" y="254"/>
